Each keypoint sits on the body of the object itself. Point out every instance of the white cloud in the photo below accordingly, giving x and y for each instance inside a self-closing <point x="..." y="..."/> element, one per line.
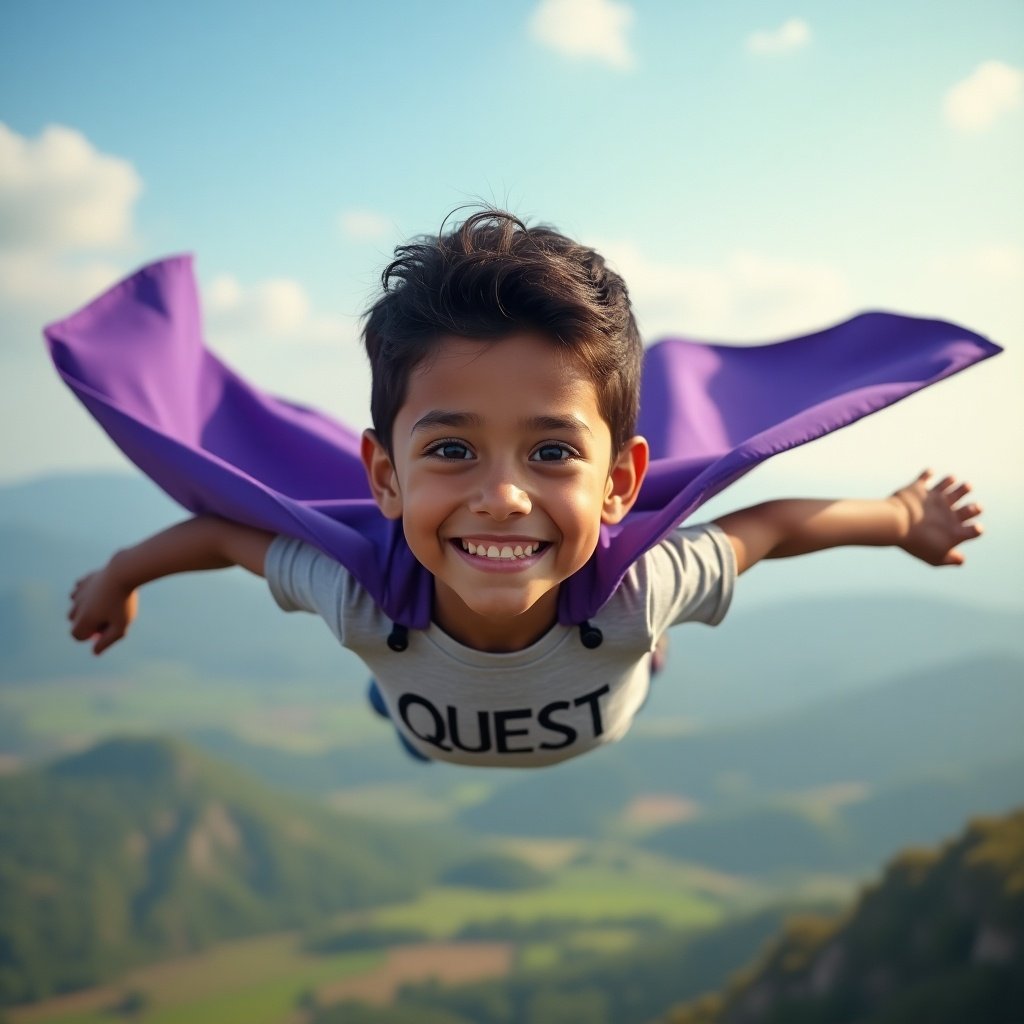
<point x="67" y="227"/>
<point x="965" y="425"/>
<point x="750" y="297"/>
<point x="595" y="29"/>
<point x="58" y="193"/>
<point x="66" y="223"/>
<point x="1000" y="264"/>
<point x="274" y="309"/>
<point x="992" y="89"/>
<point x="978" y="285"/>
<point x="364" y="225"/>
<point x="270" y="333"/>
<point x="37" y="287"/>
<point x="789" y="36"/>
<point x="985" y="271"/>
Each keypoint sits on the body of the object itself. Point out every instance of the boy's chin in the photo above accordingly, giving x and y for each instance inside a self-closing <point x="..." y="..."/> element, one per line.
<point x="505" y="610"/>
<point x="496" y="608"/>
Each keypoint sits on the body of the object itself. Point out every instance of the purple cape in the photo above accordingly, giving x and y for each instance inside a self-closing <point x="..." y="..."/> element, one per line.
<point x="136" y="359"/>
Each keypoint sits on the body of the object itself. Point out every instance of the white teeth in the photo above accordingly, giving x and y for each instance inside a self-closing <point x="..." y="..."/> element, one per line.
<point x="493" y="551"/>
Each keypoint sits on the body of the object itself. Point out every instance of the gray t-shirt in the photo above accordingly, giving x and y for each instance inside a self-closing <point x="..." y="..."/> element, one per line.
<point x="551" y="701"/>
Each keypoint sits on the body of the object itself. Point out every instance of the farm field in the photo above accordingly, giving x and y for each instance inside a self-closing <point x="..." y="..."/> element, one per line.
<point x="587" y="895"/>
<point x="256" y="981"/>
<point x="268" y="981"/>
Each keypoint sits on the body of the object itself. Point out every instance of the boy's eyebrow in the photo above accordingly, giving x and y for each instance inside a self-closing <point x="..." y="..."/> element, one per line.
<point x="451" y="418"/>
<point x="445" y="418"/>
<point x="571" y="423"/>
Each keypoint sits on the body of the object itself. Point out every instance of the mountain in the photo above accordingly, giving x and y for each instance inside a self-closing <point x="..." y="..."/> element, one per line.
<point x="139" y="849"/>
<point x="940" y="938"/>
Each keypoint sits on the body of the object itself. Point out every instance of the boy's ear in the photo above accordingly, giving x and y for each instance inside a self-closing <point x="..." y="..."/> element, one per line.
<point x="624" y="479"/>
<point x="380" y="472"/>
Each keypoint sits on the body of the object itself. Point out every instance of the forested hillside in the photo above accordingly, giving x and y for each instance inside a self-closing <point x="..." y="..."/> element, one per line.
<point x="939" y="939"/>
<point x="139" y="849"/>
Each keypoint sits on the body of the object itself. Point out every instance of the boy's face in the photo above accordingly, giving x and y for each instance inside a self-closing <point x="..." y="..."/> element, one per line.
<point x="502" y="475"/>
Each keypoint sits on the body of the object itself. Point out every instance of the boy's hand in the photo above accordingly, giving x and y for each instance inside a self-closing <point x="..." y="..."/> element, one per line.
<point x="102" y="609"/>
<point x="934" y="524"/>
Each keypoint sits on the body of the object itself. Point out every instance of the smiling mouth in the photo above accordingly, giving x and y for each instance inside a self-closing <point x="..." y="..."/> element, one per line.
<point x="501" y="552"/>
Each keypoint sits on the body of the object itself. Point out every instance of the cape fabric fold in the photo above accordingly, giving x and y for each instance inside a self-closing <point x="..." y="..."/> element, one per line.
<point x="136" y="358"/>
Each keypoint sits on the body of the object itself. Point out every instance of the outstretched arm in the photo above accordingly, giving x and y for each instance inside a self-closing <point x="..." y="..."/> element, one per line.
<point x="104" y="603"/>
<point x="927" y="522"/>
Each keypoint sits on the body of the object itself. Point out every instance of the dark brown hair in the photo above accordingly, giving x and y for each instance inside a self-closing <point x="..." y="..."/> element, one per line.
<point x="492" y="276"/>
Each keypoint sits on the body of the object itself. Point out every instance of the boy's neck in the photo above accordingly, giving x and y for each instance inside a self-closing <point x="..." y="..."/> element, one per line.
<point x="497" y="634"/>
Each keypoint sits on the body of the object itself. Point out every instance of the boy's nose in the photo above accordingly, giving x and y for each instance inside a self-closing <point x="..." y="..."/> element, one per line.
<point x="501" y="498"/>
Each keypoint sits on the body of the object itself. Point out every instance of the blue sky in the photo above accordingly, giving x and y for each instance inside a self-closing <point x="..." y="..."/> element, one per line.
<point x="754" y="170"/>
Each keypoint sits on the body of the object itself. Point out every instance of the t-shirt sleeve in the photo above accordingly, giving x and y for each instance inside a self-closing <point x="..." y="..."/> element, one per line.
<point x="692" y="576"/>
<point x="303" y="578"/>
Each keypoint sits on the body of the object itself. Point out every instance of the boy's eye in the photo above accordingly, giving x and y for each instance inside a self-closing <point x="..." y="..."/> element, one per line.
<point x="450" y="450"/>
<point x="552" y="452"/>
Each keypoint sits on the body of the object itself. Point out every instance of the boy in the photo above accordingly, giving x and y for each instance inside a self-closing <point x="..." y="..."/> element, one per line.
<point x="506" y="366"/>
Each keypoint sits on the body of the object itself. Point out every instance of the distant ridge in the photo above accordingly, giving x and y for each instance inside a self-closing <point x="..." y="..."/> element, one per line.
<point x="759" y="662"/>
<point x="923" y="733"/>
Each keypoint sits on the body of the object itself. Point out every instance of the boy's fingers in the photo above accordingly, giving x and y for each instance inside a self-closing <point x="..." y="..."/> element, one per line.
<point x="966" y="512"/>
<point x="110" y="635"/>
<point x="86" y="629"/>
<point x="945" y="482"/>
